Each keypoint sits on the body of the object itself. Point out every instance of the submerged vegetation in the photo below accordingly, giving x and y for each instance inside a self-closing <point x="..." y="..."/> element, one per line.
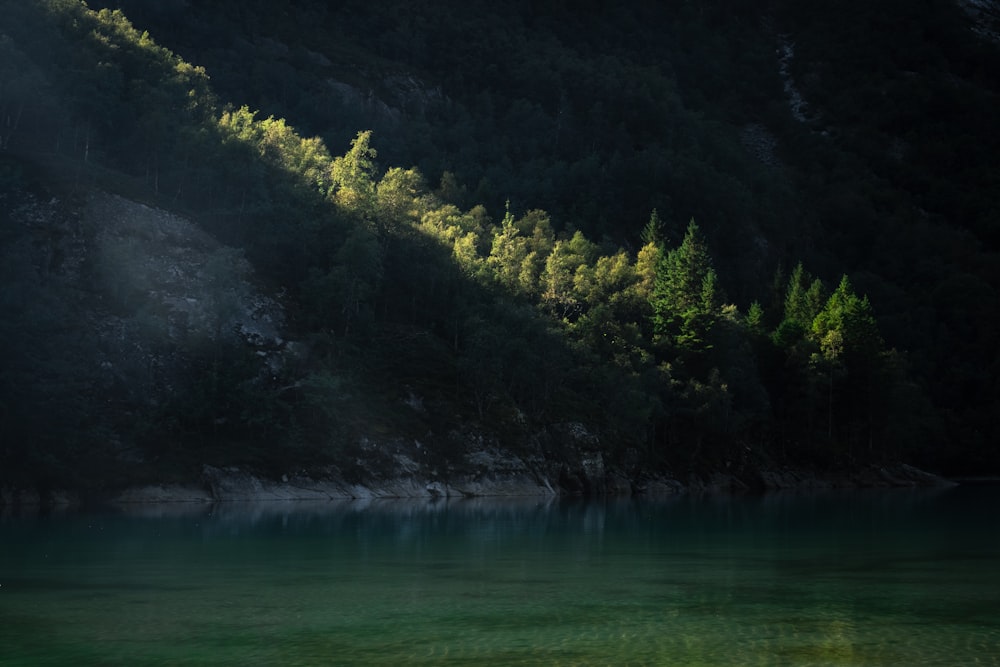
<point x="584" y="238"/>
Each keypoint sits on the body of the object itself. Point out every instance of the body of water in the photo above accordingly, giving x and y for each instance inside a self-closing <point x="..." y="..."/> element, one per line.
<point x="839" y="578"/>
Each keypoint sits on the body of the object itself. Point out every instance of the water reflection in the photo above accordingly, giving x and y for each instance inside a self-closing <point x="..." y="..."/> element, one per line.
<point x="798" y="515"/>
<point x="900" y="577"/>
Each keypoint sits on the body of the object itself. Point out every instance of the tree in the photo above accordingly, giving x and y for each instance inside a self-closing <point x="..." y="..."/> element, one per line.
<point x="397" y="196"/>
<point x="646" y="262"/>
<point x="557" y="281"/>
<point x="685" y="291"/>
<point x="655" y="230"/>
<point x="851" y="319"/>
<point x="803" y="298"/>
<point x="754" y="320"/>
<point x="353" y="177"/>
<point x="342" y="296"/>
<point x="511" y="257"/>
<point x="850" y="347"/>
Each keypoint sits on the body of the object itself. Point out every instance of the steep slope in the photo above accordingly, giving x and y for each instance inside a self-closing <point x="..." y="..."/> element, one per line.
<point x="849" y="136"/>
<point x="114" y="311"/>
<point x="688" y="349"/>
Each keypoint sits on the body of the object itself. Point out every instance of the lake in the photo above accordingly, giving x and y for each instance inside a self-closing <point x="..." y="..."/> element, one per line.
<point x="901" y="577"/>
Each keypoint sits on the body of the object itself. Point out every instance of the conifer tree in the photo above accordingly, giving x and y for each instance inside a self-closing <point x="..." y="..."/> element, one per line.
<point x="850" y="356"/>
<point x="685" y="290"/>
<point x="654" y="231"/>
<point x="803" y="298"/>
<point x="754" y="319"/>
<point x="849" y="318"/>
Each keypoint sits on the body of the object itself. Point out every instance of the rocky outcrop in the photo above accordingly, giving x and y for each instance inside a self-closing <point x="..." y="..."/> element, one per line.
<point x="165" y="493"/>
<point x="760" y="143"/>
<point x="796" y="103"/>
<point x="491" y="473"/>
<point x="874" y="476"/>
<point x="568" y="461"/>
<point x="582" y="469"/>
<point x="985" y="15"/>
<point x="185" y="286"/>
<point x="500" y="476"/>
<point x="398" y="469"/>
<point x="661" y="487"/>
<point x="18" y="499"/>
<point x="235" y="484"/>
<point x="899" y="475"/>
<point x="108" y="300"/>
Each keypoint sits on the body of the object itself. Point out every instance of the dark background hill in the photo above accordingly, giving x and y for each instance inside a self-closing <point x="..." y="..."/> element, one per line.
<point x="482" y="249"/>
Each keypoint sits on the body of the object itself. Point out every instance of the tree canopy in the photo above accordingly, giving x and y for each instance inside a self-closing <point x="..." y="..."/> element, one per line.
<point x="524" y="289"/>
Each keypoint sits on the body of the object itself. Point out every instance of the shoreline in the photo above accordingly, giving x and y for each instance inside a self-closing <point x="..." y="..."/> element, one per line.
<point x="234" y="485"/>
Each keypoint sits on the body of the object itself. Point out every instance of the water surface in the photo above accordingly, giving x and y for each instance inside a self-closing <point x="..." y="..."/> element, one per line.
<point x="840" y="578"/>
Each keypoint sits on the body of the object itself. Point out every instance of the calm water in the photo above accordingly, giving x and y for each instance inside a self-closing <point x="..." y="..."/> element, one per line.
<point x="850" y="578"/>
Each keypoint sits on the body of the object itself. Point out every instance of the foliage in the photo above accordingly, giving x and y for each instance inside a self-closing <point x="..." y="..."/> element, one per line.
<point x="536" y="316"/>
<point x="685" y="294"/>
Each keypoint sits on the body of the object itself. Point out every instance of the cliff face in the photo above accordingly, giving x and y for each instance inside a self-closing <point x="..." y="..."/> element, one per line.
<point x="986" y="17"/>
<point x="192" y="289"/>
<point x="108" y="305"/>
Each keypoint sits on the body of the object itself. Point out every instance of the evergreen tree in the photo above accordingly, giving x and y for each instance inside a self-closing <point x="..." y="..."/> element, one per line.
<point x="685" y="291"/>
<point x="754" y="319"/>
<point x="850" y="357"/>
<point x="803" y="301"/>
<point x="803" y="298"/>
<point x="849" y="319"/>
<point x="655" y="231"/>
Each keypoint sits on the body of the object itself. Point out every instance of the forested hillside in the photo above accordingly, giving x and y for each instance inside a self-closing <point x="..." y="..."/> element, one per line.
<point x="717" y="234"/>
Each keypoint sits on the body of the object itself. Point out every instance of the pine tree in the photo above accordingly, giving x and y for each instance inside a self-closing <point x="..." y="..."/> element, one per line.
<point x="849" y="318"/>
<point x="850" y="357"/>
<point x="754" y="319"/>
<point x="685" y="290"/>
<point x="654" y="231"/>
<point x="803" y="298"/>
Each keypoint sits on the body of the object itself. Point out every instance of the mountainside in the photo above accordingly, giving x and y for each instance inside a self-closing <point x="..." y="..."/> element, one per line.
<point x="730" y="236"/>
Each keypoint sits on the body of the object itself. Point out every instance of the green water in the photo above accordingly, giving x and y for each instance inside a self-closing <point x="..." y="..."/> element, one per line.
<point x="849" y="578"/>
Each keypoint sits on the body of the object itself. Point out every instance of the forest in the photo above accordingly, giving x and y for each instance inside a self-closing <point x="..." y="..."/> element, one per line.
<point x="718" y="234"/>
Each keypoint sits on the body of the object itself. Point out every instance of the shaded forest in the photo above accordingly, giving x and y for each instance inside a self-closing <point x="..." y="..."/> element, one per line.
<point x="718" y="234"/>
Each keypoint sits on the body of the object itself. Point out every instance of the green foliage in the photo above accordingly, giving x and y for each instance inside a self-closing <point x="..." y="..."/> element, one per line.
<point x="755" y="319"/>
<point x="837" y="380"/>
<point x="655" y="230"/>
<point x="529" y="320"/>
<point x="685" y="292"/>
<point x="846" y="325"/>
<point x="508" y="253"/>
<point x="353" y="178"/>
<point x="803" y="298"/>
<point x="563" y="275"/>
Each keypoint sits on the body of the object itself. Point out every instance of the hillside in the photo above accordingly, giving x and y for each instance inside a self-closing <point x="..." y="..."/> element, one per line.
<point x="727" y="237"/>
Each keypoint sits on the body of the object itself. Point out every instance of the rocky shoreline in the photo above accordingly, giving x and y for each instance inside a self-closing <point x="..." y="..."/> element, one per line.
<point x="232" y="484"/>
